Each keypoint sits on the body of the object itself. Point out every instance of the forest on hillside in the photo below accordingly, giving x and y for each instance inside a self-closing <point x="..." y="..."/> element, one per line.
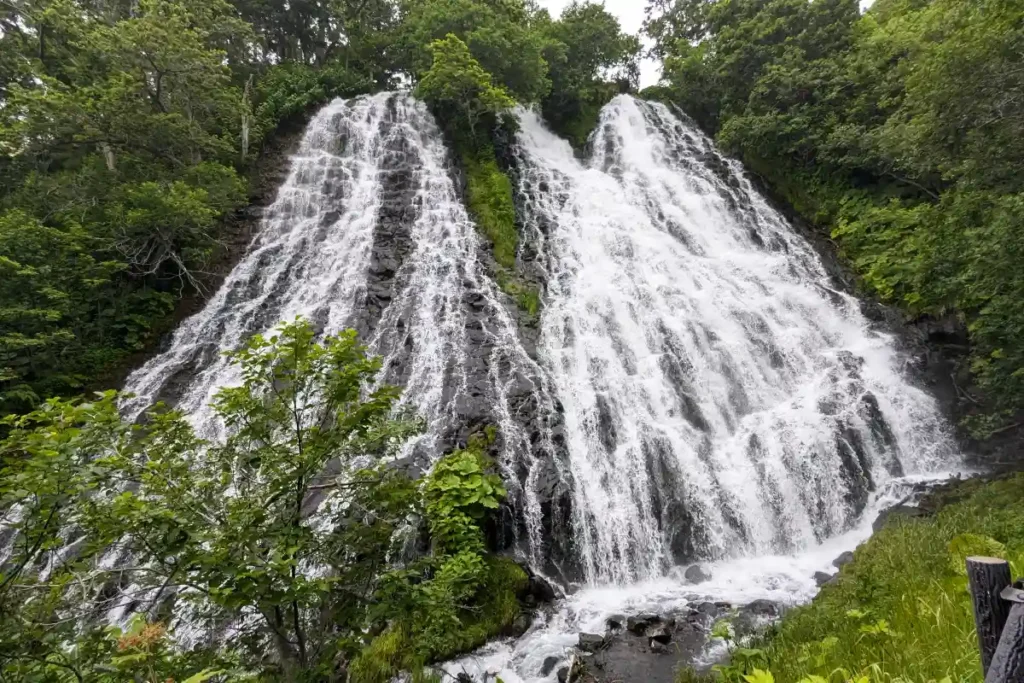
<point x="131" y="135"/>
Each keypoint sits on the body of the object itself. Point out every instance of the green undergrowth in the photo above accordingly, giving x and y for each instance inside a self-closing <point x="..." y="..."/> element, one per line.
<point x="901" y="611"/>
<point x="459" y="596"/>
<point x="489" y="199"/>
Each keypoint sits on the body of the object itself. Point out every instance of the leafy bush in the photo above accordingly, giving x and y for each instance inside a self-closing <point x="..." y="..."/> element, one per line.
<point x="224" y="526"/>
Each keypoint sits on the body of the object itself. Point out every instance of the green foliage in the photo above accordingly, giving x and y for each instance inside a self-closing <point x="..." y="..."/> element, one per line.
<point x="892" y="131"/>
<point x="225" y="527"/>
<point x="289" y="91"/>
<point x="489" y="199"/>
<point x="458" y="597"/>
<point x="901" y="611"/>
<point x="460" y="90"/>
<point x="590" y="61"/>
<point x="500" y="37"/>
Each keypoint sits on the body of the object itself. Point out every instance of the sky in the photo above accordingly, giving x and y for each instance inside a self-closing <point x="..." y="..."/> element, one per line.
<point x="631" y="16"/>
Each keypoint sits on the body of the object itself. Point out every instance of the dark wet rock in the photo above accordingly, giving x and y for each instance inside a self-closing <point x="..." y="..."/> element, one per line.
<point x="549" y="665"/>
<point x="629" y="657"/>
<point x="843" y="560"/>
<point x="563" y="675"/>
<point x="615" y="621"/>
<point x="697" y="574"/>
<point x="707" y="608"/>
<point x="639" y="623"/>
<point x="822" y="578"/>
<point x="660" y="633"/>
<point x="753" y="618"/>
<point x="522" y="624"/>
<point x="591" y="642"/>
<point x="541" y="589"/>
<point x="765" y="608"/>
<point x="905" y="511"/>
<point x="464" y="678"/>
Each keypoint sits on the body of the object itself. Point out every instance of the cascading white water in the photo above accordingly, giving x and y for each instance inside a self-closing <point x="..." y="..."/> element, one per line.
<point x="710" y="393"/>
<point x="369" y="217"/>
<point x="721" y="398"/>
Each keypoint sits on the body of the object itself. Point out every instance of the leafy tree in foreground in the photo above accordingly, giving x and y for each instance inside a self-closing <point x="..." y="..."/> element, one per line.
<point x="290" y="535"/>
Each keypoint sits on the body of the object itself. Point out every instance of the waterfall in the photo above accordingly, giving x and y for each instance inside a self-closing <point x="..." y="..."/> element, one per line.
<point x="369" y="232"/>
<point x="699" y="388"/>
<point x="721" y="397"/>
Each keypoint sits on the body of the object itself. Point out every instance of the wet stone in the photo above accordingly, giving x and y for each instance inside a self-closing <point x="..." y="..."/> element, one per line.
<point x="822" y="578"/>
<point x="639" y="623"/>
<point x="843" y="560"/>
<point x="660" y="634"/>
<point x="591" y="642"/>
<point x="697" y="574"/>
<point x="549" y="665"/>
<point x="615" y="621"/>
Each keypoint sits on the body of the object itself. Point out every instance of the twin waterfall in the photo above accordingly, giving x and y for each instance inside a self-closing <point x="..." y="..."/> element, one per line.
<point x="696" y="387"/>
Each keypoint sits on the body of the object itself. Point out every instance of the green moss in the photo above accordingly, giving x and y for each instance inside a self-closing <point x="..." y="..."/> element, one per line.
<point x="489" y="198"/>
<point x="901" y="610"/>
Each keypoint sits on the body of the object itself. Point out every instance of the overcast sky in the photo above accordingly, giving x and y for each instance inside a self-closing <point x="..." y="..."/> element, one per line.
<point x="631" y="16"/>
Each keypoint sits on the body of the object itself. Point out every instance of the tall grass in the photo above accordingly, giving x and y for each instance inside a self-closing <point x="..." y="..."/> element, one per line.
<point x="901" y="611"/>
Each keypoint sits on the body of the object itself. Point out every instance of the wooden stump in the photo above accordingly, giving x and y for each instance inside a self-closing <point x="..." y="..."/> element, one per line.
<point x="1008" y="663"/>
<point x="988" y="576"/>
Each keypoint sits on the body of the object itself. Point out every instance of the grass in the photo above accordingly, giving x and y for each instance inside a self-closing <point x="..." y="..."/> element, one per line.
<point x="901" y="611"/>
<point x="489" y="198"/>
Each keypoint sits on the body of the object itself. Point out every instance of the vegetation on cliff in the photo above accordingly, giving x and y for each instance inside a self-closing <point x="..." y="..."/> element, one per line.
<point x="901" y="131"/>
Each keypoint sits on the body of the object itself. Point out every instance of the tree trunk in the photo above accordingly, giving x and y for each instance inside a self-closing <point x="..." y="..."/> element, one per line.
<point x="988" y="576"/>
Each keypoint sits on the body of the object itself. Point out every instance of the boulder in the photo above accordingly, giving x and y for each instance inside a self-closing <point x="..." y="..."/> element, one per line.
<point x="843" y="560"/>
<point x="615" y="621"/>
<point x="542" y="590"/>
<point x="639" y="623"/>
<point x="697" y="574"/>
<point x="822" y="578"/>
<point x="563" y="675"/>
<point x="763" y="608"/>
<point x="659" y="633"/>
<point x="549" y="665"/>
<point x="522" y="624"/>
<point x="591" y="642"/>
<point x="707" y="608"/>
<point x="658" y="647"/>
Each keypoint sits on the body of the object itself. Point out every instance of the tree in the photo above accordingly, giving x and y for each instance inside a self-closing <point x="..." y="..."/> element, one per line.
<point x="460" y="90"/>
<point x="288" y="532"/>
<point x="591" y="60"/>
<point x="500" y="36"/>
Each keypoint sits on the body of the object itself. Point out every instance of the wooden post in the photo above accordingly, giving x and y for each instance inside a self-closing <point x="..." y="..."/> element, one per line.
<point x="1008" y="663"/>
<point x="988" y="576"/>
